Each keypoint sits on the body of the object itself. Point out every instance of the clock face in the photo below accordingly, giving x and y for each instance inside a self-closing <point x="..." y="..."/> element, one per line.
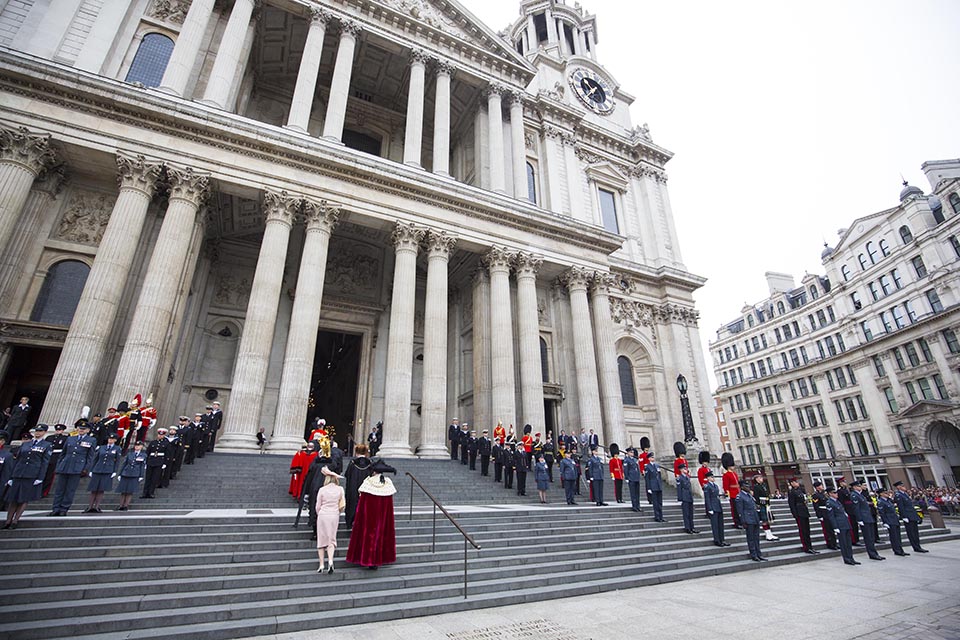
<point x="592" y="90"/>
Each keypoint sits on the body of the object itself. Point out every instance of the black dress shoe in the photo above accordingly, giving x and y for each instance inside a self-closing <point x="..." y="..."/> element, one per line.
<point x="850" y="562"/>
<point x="755" y="559"/>
<point x="762" y="559"/>
<point x="920" y="551"/>
<point x="810" y="552"/>
<point x="694" y="531"/>
<point x="89" y="510"/>
<point x="877" y="558"/>
<point x="726" y="544"/>
<point x="53" y="513"/>
<point x="900" y="554"/>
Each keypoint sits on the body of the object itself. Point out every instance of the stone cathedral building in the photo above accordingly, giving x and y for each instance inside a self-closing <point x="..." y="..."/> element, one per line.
<point x="358" y="209"/>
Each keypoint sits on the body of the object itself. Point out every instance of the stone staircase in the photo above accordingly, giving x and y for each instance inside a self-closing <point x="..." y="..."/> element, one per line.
<point x="228" y="574"/>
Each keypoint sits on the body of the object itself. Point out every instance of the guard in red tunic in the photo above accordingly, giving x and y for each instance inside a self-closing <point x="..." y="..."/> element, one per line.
<point x="297" y="471"/>
<point x="704" y="458"/>
<point x="499" y="433"/>
<point x="319" y="431"/>
<point x="731" y="486"/>
<point x="680" y="450"/>
<point x="644" y="459"/>
<point x="616" y="471"/>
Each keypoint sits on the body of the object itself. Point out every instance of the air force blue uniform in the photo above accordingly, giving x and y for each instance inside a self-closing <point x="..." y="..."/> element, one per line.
<point x="631" y="473"/>
<point x="888" y="516"/>
<point x="76" y="459"/>
<point x="568" y="475"/>
<point x="711" y="498"/>
<point x="105" y="461"/>
<point x="861" y="507"/>
<point x="654" y="489"/>
<point x="837" y="516"/>
<point x="685" y="497"/>
<point x="750" y="519"/>
<point x="910" y="519"/>
<point x="32" y="459"/>
<point x="596" y="471"/>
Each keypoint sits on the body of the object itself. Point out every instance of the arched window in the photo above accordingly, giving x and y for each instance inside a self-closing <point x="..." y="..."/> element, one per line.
<point x="151" y="60"/>
<point x="60" y="293"/>
<point x="750" y="319"/>
<point x="780" y="308"/>
<point x="814" y="292"/>
<point x="544" y="361"/>
<point x="884" y="247"/>
<point x="954" y="202"/>
<point x="872" y="252"/>
<point x="627" y="392"/>
<point x="531" y="184"/>
<point x="845" y="272"/>
<point x="863" y="262"/>
<point x="905" y="234"/>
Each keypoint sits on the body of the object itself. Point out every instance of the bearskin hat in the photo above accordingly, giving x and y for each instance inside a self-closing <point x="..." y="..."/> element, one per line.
<point x="644" y="443"/>
<point x="614" y="449"/>
<point x="527" y="429"/>
<point x="679" y="449"/>
<point x="703" y="456"/>
<point x="726" y="460"/>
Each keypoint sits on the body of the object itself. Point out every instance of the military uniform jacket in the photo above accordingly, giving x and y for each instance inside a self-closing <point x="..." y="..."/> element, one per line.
<point x="508" y="458"/>
<point x="453" y="433"/>
<point x="134" y="465"/>
<point x="32" y="457"/>
<point x="711" y="497"/>
<point x="652" y="475"/>
<point x="861" y="505"/>
<point x="747" y="508"/>
<point x="464" y="438"/>
<point x="820" y="504"/>
<point x="77" y="456"/>
<point x="157" y="452"/>
<point x="497" y="452"/>
<point x="6" y="467"/>
<point x="568" y="471"/>
<point x="684" y="490"/>
<point x="57" y="441"/>
<point x="631" y="469"/>
<point x="595" y="469"/>
<point x="836" y="515"/>
<point x="473" y="445"/>
<point x="540" y="472"/>
<point x="18" y="419"/>
<point x="216" y="418"/>
<point x="797" y="500"/>
<point x="888" y="512"/>
<point x="106" y="459"/>
<point x="520" y="462"/>
<point x="905" y="506"/>
<point x="484" y="445"/>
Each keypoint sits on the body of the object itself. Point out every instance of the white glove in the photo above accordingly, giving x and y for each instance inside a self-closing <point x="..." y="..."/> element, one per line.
<point x="36" y="482"/>
<point x="860" y="523"/>
<point x="820" y="519"/>
<point x="164" y="467"/>
<point x="649" y="491"/>
<point x="9" y="483"/>
<point x="710" y="512"/>
<point x="140" y="480"/>
<point x="836" y="531"/>
<point x="887" y="527"/>
<point x="113" y="475"/>
<point x="904" y="521"/>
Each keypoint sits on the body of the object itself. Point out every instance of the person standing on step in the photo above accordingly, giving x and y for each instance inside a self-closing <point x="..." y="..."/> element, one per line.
<point x="797" y="499"/>
<point x="549" y="454"/>
<point x="509" y="464"/>
<point x="178" y="451"/>
<point x="631" y="473"/>
<point x="373" y="541"/>
<point x="17" y="421"/>
<point x="616" y="472"/>
<point x="862" y="508"/>
<point x="704" y="459"/>
<point x="483" y="449"/>
<point x="595" y="474"/>
<point x="131" y="473"/>
<point x="201" y="439"/>
<point x="526" y="442"/>
<point x="464" y="444"/>
<point x="568" y="476"/>
<point x="357" y="471"/>
<point x="750" y="519"/>
<point x="375" y="439"/>
<point x="908" y="516"/>
<point x="731" y="486"/>
<point x="651" y="475"/>
<point x="843" y="495"/>
<point x="542" y="478"/>
<point x="6" y="467"/>
<point x="837" y="516"/>
<point x="156" y="461"/>
<point x="171" y="459"/>
<point x="761" y="493"/>
<point x="473" y="448"/>
<point x="680" y="458"/>
<point x="520" y="464"/>
<point x="453" y="436"/>
<point x="216" y="421"/>
<point x="496" y="452"/>
<point x="499" y="433"/>
<point x="75" y="462"/>
<point x="820" y="509"/>
<point x="888" y="516"/>
<point x="261" y="441"/>
<point x="26" y="482"/>
<point x="685" y="498"/>
<point x="330" y="502"/>
<point x="106" y="459"/>
<point x="711" y="498"/>
<point x="57" y="441"/>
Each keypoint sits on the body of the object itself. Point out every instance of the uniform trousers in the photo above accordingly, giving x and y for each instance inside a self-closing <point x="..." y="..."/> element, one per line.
<point x="716" y="526"/>
<point x="473" y="460"/>
<point x="656" y="498"/>
<point x="828" y="535"/>
<point x="508" y="478"/>
<point x="464" y="454"/>
<point x="497" y="471"/>
<point x="896" y="540"/>
<point x="634" y="487"/>
<point x="596" y="488"/>
<point x="484" y="465"/>
<point x="152" y="480"/>
<point x="618" y="489"/>
<point x="869" y="541"/>
<point x="854" y="529"/>
<point x="521" y="481"/>
<point x="65" y="488"/>
<point x="568" y="490"/>
<point x="687" y="509"/>
<point x="753" y="539"/>
<point x="733" y="513"/>
<point x="846" y="545"/>
<point x="803" y="526"/>
<point x="189" y="453"/>
<point x="453" y="449"/>
<point x="913" y="534"/>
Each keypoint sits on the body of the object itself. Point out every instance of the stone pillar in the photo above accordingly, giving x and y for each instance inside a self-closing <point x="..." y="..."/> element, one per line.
<point x="6" y="353"/>
<point x="503" y="390"/>
<point x="577" y="279"/>
<point x="396" y="420"/>
<point x="303" y="94"/>
<point x="143" y="349"/>
<point x="304" y="322"/>
<point x="433" y="433"/>
<point x="614" y="428"/>
<point x="528" y="325"/>
<point x="481" y="350"/>
<point x="519" y="144"/>
<point x="228" y="55"/>
<point x="22" y="157"/>
<point x="532" y="35"/>
<point x="82" y="356"/>
<point x="340" y="86"/>
<point x="553" y="156"/>
<point x="495" y="127"/>
<point x="441" y="120"/>
<point x="413" y="138"/>
<point x="185" y="52"/>
<point x="577" y="41"/>
<point x="552" y="35"/>
<point x="253" y="354"/>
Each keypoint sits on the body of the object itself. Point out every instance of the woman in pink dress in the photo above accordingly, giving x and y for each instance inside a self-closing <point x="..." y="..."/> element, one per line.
<point x="330" y="503"/>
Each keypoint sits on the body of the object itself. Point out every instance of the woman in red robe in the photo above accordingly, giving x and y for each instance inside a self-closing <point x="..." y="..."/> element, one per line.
<point x="373" y="539"/>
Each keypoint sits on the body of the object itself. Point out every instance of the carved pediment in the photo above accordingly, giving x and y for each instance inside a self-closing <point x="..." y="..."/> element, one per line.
<point x="606" y="173"/>
<point x="927" y="408"/>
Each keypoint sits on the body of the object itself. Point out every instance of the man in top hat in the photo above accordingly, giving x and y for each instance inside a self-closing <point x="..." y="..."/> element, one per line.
<point x="837" y="516"/>
<point x="731" y="486"/>
<point x="711" y="498"/>
<point x="453" y="437"/>
<point x="820" y="509"/>
<point x="75" y="462"/>
<point x="595" y="473"/>
<point x="484" y="447"/>
<point x="750" y="519"/>
<point x="473" y="447"/>
<point x="908" y="516"/>
<point x="654" y="487"/>
<point x="887" y="511"/>
<point x="631" y="473"/>
<point x="797" y="499"/>
<point x="56" y="440"/>
<point x="862" y="505"/>
<point x="26" y="482"/>
<point x="616" y="471"/>
<point x="685" y="498"/>
<point x="568" y="476"/>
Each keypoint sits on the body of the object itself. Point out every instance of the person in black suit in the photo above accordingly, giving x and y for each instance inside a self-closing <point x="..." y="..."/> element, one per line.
<point x="453" y="435"/>
<point x="336" y="458"/>
<point x="862" y="508"/>
<point x="797" y="499"/>
<point x="908" y="516"/>
<point x="484" y="447"/>
<point x="593" y="441"/>
<point x="17" y="422"/>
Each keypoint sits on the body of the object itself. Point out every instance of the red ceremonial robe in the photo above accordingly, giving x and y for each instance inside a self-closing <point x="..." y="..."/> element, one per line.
<point x="373" y="539"/>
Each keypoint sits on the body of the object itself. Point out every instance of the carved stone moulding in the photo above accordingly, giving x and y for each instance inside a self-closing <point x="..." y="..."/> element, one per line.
<point x="31" y="334"/>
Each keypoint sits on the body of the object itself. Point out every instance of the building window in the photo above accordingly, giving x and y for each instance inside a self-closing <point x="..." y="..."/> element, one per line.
<point x="905" y="234"/>
<point x="867" y="333"/>
<point x="935" y="305"/>
<point x="901" y="365"/>
<point x="950" y="337"/>
<point x="912" y="354"/>
<point x="918" y="266"/>
<point x="886" y="284"/>
<point x="925" y="389"/>
<point x="863" y="262"/>
<point x="941" y="389"/>
<point x="872" y="253"/>
<point x="908" y="306"/>
<point x="885" y="320"/>
<point x="898" y="317"/>
<point x="814" y="292"/>
<point x="884" y="247"/>
<point x="627" y="390"/>
<point x="872" y="286"/>
<point x="954" y="202"/>
<point x="608" y="210"/>
<point x="845" y="272"/>
<point x="531" y="184"/>
<point x="891" y="400"/>
<point x="545" y="362"/>
<point x="822" y="414"/>
<point x="151" y="60"/>
<point x="878" y="365"/>
<point x="912" y="392"/>
<point x="904" y="440"/>
<point x="60" y="293"/>
<point x="955" y="244"/>
<point x="855" y="298"/>
<point x="925" y="349"/>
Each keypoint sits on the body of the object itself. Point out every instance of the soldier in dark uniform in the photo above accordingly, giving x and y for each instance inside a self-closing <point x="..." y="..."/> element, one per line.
<point x="26" y="482"/>
<point x="156" y="461"/>
<point x="568" y="476"/>
<point x="651" y="475"/>
<point x="496" y="452"/>
<point x="843" y="495"/>
<point x="178" y="453"/>
<point x="201" y="436"/>
<point x="864" y="514"/>
<point x="685" y="497"/>
<point x="750" y="519"/>
<point x="104" y="469"/>
<point x="797" y="499"/>
<point x="838" y="519"/>
<point x="520" y="462"/>
<point x="216" y="421"/>
<point x="508" y="465"/>
<point x="549" y="454"/>
<point x="188" y="437"/>
<point x="888" y="516"/>
<point x="57" y="440"/>
<point x="473" y="446"/>
<point x="820" y="509"/>
<point x="631" y="473"/>
<point x="483" y="448"/>
<point x="453" y="435"/>
<point x="100" y="430"/>
<point x="908" y="516"/>
<point x="173" y="445"/>
<point x="711" y="498"/>
<point x="595" y="473"/>
<point x="75" y="462"/>
<point x="464" y="445"/>
<point x="6" y="467"/>
<point x="131" y="473"/>
<point x="17" y="422"/>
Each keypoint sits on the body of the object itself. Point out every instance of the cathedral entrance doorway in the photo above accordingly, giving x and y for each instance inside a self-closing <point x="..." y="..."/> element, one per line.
<point x="29" y="374"/>
<point x="334" y="382"/>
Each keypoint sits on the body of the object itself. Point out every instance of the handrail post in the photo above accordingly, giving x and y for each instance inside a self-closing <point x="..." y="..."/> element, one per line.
<point x="410" y="517"/>
<point x="433" y="541"/>
<point x="464" y="568"/>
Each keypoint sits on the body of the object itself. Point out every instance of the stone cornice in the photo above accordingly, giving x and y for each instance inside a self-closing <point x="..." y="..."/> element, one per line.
<point x="637" y="275"/>
<point x="31" y="333"/>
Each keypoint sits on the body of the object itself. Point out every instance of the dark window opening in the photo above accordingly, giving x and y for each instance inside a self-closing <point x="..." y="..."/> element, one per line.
<point x="361" y="142"/>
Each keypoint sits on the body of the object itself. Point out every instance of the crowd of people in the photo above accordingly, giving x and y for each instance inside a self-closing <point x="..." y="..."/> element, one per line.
<point x="102" y="448"/>
<point x="946" y="499"/>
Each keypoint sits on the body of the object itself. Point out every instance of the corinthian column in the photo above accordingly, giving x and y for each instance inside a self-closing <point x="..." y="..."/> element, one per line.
<point x="481" y="349"/>
<point x="614" y="429"/>
<point x="82" y="355"/>
<point x="519" y="146"/>
<point x="396" y="420"/>
<point x="304" y="321"/>
<point x="306" y="87"/>
<point x="253" y="354"/>
<point x="577" y="279"/>
<point x="495" y="125"/>
<point x="504" y="390"/>
<point x="22" y="157"/>
<point x="434" y="418"/>
<point x="441" y="119"/>
<point x="413" y="138"/>
<point x="228" y="55"/>
<point x="143" y="349"/>
<point x="340" y="85"/>
<point x="185" y="52"/>
<point x="528" y="324"/>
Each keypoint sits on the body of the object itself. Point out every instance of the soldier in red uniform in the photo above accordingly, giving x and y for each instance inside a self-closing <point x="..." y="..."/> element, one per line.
<point x="644" y="459"/>
<point x="704" y="458"/>
<point x="731" y="486"/>
<point x="680" y="450"/>
<point x="527" y="441"/>
<point x="616" y="471"/>
<point x="499" y="433"/>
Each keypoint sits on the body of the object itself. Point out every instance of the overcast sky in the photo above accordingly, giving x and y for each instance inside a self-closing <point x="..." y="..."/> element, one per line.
<point x="787" y="120"/>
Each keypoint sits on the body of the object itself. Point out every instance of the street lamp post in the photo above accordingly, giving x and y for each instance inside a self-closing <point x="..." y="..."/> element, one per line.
<point x="689" y="435"/>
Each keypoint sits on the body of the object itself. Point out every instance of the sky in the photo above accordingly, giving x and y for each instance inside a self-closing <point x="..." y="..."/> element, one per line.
<point x="788" y="120"/>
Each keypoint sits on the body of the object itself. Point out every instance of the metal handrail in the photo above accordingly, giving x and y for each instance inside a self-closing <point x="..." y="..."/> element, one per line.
<point x="433" y="543"/>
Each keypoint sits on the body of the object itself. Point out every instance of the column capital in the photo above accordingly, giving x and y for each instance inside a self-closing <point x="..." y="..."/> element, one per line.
<point x="527" y="265"/>
<point x="443" y="67"/>
<point x="187" y="184"/>
<point x="320" y="215"/>
<point x="407" y="237"/>
<point x="576" y="278"/>
<point x="280" y="207"/>
<point x="440" y="243"/>
<point x="494" y="89"/>
<point x="517" y="97"/>
<point x="32" y="151"/>
<point x="498" y="259"/>
<point x="480" y="274"/>
<point x="51" y="179"/>
<point x="319" y="14"/>
<point x="602" y="282"/>
<point x="419" y="56"/>
<point x="350" y="27"/>
<point x="136" y="172"/>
